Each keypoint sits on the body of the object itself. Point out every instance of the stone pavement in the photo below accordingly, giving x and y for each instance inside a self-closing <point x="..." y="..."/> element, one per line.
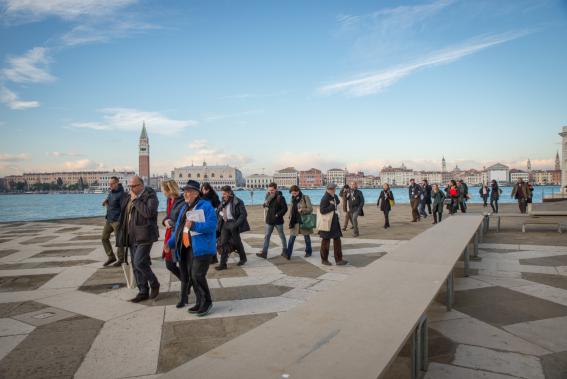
<point x="62" y="315"/>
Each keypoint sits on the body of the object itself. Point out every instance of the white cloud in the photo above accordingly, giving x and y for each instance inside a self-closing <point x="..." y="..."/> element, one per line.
<point x="29" y="68"/>
<point x="4" y="157"/>
<point x="128" y="119"/>
<point x="307" y="160"/>
<point x="201" y="151"/>
<point x="59" y="154"/>
<point x="376" y="82"/>
<point x="100" y="31"/>
<point x="12" y="100"/>
<point x="82" y="164"/>
<point x="34" y="10"/>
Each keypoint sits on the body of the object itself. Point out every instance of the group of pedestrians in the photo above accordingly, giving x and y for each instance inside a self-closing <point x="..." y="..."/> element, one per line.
<point x="199" y="225"/>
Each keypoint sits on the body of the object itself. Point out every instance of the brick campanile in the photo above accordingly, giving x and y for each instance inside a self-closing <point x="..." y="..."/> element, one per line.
<point x="144" y="155"/>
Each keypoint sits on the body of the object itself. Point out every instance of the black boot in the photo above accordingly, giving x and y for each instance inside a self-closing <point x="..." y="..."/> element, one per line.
<point x="183" y="296"/>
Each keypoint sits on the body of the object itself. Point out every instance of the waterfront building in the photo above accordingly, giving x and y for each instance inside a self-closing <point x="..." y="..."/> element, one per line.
<point x="310" y="178"/>
<point x="336" y="175"/>
<point x="396" y="176"/>
<point x="287" y="177"/>
<point x="357" y="177"/>
<point x="216" y="175"/>
<point x="62" y="178"/>
<point x="433" y="177"/>
<point x="499" y="172"/>
<point x="516" y="174"/>
<point x="258" y="181"/>
<point x="474" y="177"/>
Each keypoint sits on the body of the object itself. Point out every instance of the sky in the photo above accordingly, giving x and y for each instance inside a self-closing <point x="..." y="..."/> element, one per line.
<point x="263" y="85"/>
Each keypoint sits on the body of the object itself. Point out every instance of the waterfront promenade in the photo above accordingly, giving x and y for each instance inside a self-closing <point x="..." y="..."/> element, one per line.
<point x="62" y="315"/>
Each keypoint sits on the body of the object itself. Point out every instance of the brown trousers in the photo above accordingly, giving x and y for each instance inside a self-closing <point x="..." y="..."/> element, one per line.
<point x="337" y="249"/>
<point x="414" y="212"/>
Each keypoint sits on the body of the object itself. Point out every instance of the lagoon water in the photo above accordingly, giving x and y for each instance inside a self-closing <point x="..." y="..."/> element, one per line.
<point x="30" y="207"/>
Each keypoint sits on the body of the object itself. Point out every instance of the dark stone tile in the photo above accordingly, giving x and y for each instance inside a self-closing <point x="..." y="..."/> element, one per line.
<point x="72" y="244"/>
<point x="558" y="260"/>
<point x="104" y="280"/>
<point x="33" y="241"/>
<point x="225" y="294"/>
<point x="233" y="271"/>
<point x="501" y="306"/>
<point x="440" y="348"/>
<point x="65" y="252"/>
<point x="6" y="252"/>
<point x="66" y="230"/>
<point x="297" y="267"/>
<point x="18" y="308"/>
<point x="184" y="340"/>
<point x="363" y="260"/>
<point x="19" y="266"/>
<point x="459" y="272"/>
<point x="555" y="365"/>
<point x="54" y="350"/>
<point x="3" y="240"/>
<point x="86" y="237"/>
<point x="12" y="224"/>
<point x="557" y="281"/>
<point x="258" y="243"/>
<point x="24" y="282"/>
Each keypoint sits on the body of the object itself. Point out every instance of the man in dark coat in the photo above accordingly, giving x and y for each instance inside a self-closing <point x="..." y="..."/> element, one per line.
<point x="464" y="195"/>
<point x="329" y="204"/>
<point x="139" y="230"/>
<point x="232" y="220"/>
<point x="355" y="199"/>
<point x="414" y="194"/>
<point x="113" y="204"/>
<point x="522" y="193"/>
<point x="275" y="208"/>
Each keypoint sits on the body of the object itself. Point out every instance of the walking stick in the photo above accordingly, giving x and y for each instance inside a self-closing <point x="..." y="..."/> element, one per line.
<point x="128" y="271"/>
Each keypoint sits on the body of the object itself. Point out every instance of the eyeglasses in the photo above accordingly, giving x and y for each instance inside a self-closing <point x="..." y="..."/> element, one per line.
<point x="134" y="185"/>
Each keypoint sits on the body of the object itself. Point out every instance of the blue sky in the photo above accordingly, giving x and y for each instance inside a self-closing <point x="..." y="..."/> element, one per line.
<point x="268" y="84"/>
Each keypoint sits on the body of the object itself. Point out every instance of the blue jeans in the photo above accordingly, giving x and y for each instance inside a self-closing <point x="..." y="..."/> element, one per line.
<point x="268" y="229"/>
<point x="308" y="249"/>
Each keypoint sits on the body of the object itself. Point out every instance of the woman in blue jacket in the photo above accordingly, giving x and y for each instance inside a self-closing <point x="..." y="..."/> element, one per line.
<point x="195" y="243"/>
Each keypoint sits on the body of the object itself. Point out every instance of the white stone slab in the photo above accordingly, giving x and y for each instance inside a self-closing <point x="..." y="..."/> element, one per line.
<point x="295" y="282"/>
<point x="95" y="306"/>
<point x="333" y="276"/>
<point x="520" y="365"/>
<point x="236" y="308"/>
<point x="262" y="271"/>
<point x="463" y="284"/>
<point x="443" y="371"/>
<point x="9" y="343"/>
<point x="126" y="346"/>
<point x="324" y="285"/>
<point x="249" y="281"/>
<point x="550" y="333"/>
<point x="471" y="331"/>
<point x="503" y="282"/>
<point x="300" y="294"/>
<point x="501" y="246"/>
<point x="11" y="327"/>
<point x="72" y="277"/>
<point x="556" y="295"/>
<point x="544" y="248"/>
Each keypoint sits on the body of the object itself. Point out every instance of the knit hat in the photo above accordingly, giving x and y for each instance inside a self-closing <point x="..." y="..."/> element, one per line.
<point x="192" y="185"/>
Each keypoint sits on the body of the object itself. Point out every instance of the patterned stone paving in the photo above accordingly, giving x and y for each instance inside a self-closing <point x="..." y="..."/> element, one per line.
<point x="63" y="315"/>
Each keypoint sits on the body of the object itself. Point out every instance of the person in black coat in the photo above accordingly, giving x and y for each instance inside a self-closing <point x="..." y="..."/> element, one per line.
<point x="385" y="202"/>
<point x="355" y="199"/>
<point x="329" y="204"/>
<point x="232" y="220"/>
<point x="139" y="230"/>
<point x="113" y="204"/>
<point x="276" y="208"/>
<point x="495" y="192"/>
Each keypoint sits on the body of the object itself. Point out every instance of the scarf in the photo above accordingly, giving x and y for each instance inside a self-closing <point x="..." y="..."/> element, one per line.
<point x="295" y="216"/>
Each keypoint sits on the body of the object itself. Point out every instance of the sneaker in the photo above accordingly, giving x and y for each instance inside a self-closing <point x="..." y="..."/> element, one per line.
<point x="109" y="261"/>
<point x="194" y="309"/>
<point x="205" y="310"/>
<point x="220" y="267"/>
<point x="262" y="255"/>
<point x="118" y="263"/>
<point x="140" y="297"/>
<point x="154" y="292"/>
<point x="242" y="262"/>
<point x="341" y="263"/>
<point x="326" y="263"/>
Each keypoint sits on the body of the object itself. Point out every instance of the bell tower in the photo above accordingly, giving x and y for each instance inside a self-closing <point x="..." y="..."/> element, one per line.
<point x="144" y="156"/>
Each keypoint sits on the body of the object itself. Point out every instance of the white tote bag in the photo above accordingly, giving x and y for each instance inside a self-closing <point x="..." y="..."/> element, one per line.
<point x="324" y="221"/>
